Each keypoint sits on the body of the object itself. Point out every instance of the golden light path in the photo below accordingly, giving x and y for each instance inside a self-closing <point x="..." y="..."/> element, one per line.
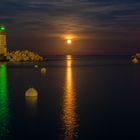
<point x="69" y="106"/>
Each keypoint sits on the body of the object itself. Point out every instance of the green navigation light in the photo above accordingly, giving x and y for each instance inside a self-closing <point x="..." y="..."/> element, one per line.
<point x="2" y="28"/>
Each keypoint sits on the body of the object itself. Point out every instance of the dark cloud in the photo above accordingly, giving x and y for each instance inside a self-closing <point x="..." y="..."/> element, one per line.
<point x="88" y="19"/>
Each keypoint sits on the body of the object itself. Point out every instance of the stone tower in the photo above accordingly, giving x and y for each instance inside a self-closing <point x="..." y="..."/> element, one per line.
<point x="3" y="48"/>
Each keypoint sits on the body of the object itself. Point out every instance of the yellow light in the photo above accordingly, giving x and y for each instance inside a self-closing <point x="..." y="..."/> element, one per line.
<point x="69" y="117"/>
<point x="69" y="36"/>
<point x="68" y="57"/>
<point x="69" y="41"/>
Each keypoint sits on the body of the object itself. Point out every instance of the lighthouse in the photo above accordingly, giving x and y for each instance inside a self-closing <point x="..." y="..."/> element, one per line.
<point x="3" y="48"/>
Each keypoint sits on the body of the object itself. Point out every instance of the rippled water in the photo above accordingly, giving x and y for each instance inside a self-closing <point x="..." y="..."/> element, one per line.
<point x="79" y="97"/>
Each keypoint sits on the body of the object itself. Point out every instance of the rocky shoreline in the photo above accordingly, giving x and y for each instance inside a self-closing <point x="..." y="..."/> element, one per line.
<point x="21" y="56"/>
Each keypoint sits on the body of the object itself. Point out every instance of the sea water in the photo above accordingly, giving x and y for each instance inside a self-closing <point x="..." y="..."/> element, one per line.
<point x="79" y="98"/>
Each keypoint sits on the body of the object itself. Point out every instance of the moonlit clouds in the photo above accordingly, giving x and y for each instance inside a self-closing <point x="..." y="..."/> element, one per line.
<point x="89" y="19"/>
<point x="70" y="15"/>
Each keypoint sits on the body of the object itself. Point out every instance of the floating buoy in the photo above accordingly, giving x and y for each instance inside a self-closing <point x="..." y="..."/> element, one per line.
<point x="135" y="61"/>
<point x="36" y="66"/>
<point x="43" y="70"/>
<point x="31" y="92"/>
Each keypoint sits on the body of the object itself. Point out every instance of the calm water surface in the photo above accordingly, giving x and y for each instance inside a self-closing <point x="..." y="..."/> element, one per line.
<point x="79" y="98"/>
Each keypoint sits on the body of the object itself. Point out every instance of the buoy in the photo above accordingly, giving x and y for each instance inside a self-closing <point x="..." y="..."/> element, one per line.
<point x="135" y="61"/>
<point x="43" y="70"/>
<point x="31" y="92"/>
<point x="36" y="66"/>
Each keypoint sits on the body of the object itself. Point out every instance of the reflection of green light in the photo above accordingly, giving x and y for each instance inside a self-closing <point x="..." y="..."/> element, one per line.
<point x="4" y="110"/>
<point x="2" y="28"/>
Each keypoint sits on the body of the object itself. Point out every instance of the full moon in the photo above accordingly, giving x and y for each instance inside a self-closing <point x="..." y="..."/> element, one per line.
<point x="69" y="41"/>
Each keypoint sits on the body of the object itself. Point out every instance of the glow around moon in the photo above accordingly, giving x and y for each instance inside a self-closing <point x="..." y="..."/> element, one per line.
<point x="69" y="37"/>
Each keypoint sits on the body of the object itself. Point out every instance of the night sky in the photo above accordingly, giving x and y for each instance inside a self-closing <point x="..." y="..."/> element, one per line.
<point x="98" y="26"/>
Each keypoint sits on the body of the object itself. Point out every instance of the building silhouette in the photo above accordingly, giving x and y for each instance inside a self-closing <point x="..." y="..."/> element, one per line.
<point x="3" y="44"/>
